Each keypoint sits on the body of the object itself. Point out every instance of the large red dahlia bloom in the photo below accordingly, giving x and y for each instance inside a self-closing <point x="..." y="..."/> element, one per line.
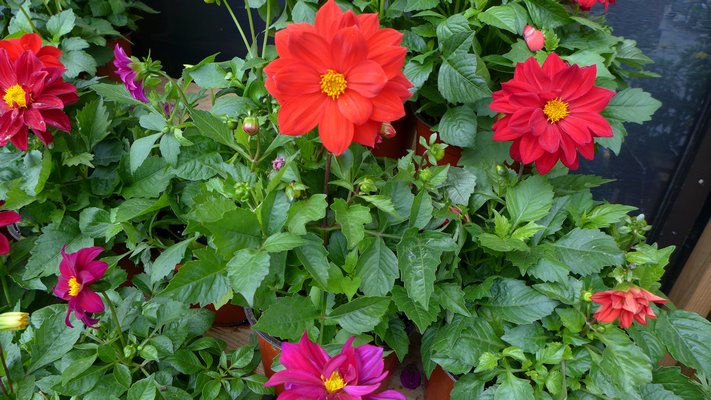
<point x="551" y="113"/>
<point x="49" y="55"/>
<point x="629" y="305"/>
<point x="344" y="74"/>
<point x="33" y="96"/>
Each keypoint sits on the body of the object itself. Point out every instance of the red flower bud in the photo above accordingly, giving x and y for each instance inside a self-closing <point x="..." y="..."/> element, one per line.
<point x="387" y="130"/>
<point x="534" y="38"/>
<point x="250" y="126"/>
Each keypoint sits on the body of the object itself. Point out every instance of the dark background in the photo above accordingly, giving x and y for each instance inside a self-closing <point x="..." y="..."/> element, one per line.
<point x="663" y="167"/>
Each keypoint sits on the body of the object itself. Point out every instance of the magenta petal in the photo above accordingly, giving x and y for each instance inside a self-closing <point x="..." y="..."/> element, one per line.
<point x="67" y="267"/>
<point x="370" y="363"/>
<point x="9" y="218"/>
<point x="89" y="301"/>
<point x="4" y="245"/>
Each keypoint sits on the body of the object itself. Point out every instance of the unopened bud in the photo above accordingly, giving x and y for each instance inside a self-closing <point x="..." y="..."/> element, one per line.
<point x="250" y="126"/>
<point x="232" y="124"/>
<point x="367" y="186"/>
<point x="14" y="321"/>
<point x="534" y="38"/>
<point x="437" y="151"/>
<point x="278" y="163"/>
<point x="500" y="170"/>
<point x="587" y="296"/>
<point x="387" y="130"/>
<point x="426" y="175"/>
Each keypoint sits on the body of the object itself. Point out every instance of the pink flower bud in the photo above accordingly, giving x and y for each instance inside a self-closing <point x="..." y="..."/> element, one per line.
<point x="534" y="38"/>
<point x="387" y="130"/>
<point x="250" y="126"/>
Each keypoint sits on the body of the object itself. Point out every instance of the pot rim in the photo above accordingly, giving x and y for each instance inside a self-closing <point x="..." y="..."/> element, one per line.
<point x="249" y="312"/>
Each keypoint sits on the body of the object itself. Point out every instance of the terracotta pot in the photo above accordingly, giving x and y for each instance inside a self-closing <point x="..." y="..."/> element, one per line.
<point x="270" y="347"/>
<point x="452" y="154"/>
<point x="228" y="315"/>
<point x="439" y="386"/>
<point x="397" y="147"/>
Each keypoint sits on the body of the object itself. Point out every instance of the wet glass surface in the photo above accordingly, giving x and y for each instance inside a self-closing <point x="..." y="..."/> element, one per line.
<point x="677" y="36"/>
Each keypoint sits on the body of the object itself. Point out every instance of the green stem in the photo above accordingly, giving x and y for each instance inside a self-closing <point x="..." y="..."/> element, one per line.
<point x="382" y="235"/>
<point x="4" y="390"/>
<point x="115" y="318"/>
<point x="7" y="370"/>
<point x="564" y="388"/>
<point x="251" y="22"/>
<point x="256" y="154"/>
<point x="266" y="29"/>
<point x="239" y="28"/>
<point x="24" y="12"/>
<point x="324" y="304"/>
<point x="381" y="8"/>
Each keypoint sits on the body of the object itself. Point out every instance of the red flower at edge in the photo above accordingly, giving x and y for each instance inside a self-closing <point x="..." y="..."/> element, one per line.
<point x="551" y="113"/>
<point x="49" y="55"/>
<point x="344" y="74"/>
<point x="78" y="271"/>
<point x="627" y="305"/>
<point x="33" y="96"/>
<point x="586" y="5"/>
<point x="6" y="218"/>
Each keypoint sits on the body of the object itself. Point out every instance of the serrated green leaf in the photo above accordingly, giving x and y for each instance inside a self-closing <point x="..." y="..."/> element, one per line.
<point x="202" y="281"/>
<point x="587" y="251"/>
<point x="513" y="301"/>
<point x="512" y="387"/>
<point x="213" y="127"/>
<point x="52" y="340"/>
<point x="422" y="317"/>
<point x="632" y="105"/>
<point x="352" y="220"/>
<point x="511" y="17"/>
<point x="283" y="320"/>
<point x="93" y="121"/>
<point x="168" y="259"/>
<point x="302" y="212"/>
<point x="377" y="269"/>
<point x="360" y="315"/>
<point x="46" y="253"/>
<point x="605" y="215"/>
<point x="687" y="336"/>
<point x="282" y="241"/>
<point x="529" y="200"/>
<point x="61" y="24"/>
<point x="458" y="80"/>
<point x="458" y="126"/>
<point x="246" y="271"/>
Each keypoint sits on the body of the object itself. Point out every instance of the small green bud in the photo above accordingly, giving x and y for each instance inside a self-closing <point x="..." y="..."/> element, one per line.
<point x="437" y="151"/>
<point x="600" y="328"/>
<point x="425" y="175"/>
<point x="232" y="124"/>
<point x="587" y="296"/>
<point x="367" y="186"/>
<point x="250" y="126"/>
<point x="129" y="351"/>
<point x="500" y="170"/>
<point x="242" y="191"/>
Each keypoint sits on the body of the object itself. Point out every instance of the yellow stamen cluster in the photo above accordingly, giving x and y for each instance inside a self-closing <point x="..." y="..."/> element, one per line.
<point x="334" y="383"/>
<point x="74" y="287"/>
<point x="15" y="97"/>
<point x="333" y="84"/>
<point x="555" y="109"/>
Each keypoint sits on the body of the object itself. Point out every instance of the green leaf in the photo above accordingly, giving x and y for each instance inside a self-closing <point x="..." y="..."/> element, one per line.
<point x="418" y="5"/>
<point x="360" y="315"/>
<point x="168" y="259"/>
<point x="282" y="241"/>
<point x="93" y="121"/>
<point x="687" y="336"/>
<point x="133" y="208"/>
<point x="288" y="317"/>
<point x="210" y="76"/>
<point x="422" y="317"/>
<point x="61" y="24"/>
<point x="145" y="389"/>
<point x="202" y="281"/>
<point x="460" y="185"/>
<point x="352" y="219"/>
<point x="547" y="13"/>
<point x="458" y="80"/>
<point x="458" y="126"/>
<point x="45" y="254"/>
<point x="314" y="257"/>
<point x="587" y="251"/>
<point x="451" y="297"/>
<point x="512" y="387"/>
<point x="605" y="215"/>
<point x="657" y="392"/>
<point x="140" y="149"/>
<point x="302" y="212"/>
<point x="303" y="13"/>
<point x="530" y="338"/>
<point x="625" y="366"/>
<point x="418" y="259"/>
<point x="496" y="243"/>
<point x="115" y="93"/>
<point x="76" y="62"/>
<point x="52" y="340"/>
<point x="198" y="167"/>
<point x="149" y="180"/>
<point x="383" y="203"/>
<point x="674" y="381"/>
<point x="530" y="200"/>
<point x="460" y="343"/>
<point x="246" y="271"/>
<point x="170" y="149"/>
<point x="237" y="229"/>
<point x="94" y="222"/>
<point x="377" y="269"/>
<point x="632" y="105"/>
<point x="122" y="375"/>
<point x="273" y="212"/>
<point x="213" y="128"/>
<point x="511" y="17"/>
<point x="513" y="301"/>
<point x="421" y="211"/>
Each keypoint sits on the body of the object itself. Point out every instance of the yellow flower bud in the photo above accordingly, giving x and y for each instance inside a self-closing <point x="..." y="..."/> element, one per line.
<point x="14" y="321"/>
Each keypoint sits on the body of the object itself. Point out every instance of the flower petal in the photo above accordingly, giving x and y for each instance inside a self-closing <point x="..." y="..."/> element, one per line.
<point x="299" y="115"/>
<point x="89" y="301"/>
<point x="335" y="130"/>
<point x="367" y="78"/>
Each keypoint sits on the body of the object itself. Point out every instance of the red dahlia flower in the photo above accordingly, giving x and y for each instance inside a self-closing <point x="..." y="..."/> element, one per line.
<point x="6" y="218"/>
<point x="631" y="304"/>
<point x="551" y="113"/>
<point x="32" y="96"/>
<point x="311" y="373"/>
<point x="49" y="55"/>
<point x="77" y="272"/>
<point x="344" y="74"/>
<point x="586" y="5"/>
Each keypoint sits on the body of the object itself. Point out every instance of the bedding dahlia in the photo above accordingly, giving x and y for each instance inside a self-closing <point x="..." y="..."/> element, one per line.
<point x="77" y="272"/>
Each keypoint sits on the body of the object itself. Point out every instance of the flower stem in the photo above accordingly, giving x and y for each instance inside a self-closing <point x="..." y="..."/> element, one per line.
<point x="5" y="290"/>
<point x="239" y="27"/>
<point x="326" y="178"/>
<point x="251" y="22"/>
<point x="24" y="12"/>
<point x="115" y="318"/>
<point x="7" y="370"/>
<point x="266" y="28"/>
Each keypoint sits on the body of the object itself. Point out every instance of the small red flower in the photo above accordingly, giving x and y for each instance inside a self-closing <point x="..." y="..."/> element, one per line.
<point x="551" y="113"/>
<point x="344" y="74"/>
<point x="586" y="5"/>
<point x="6" y="218"/>
<point x="33" y="96"/>
<point x="49" y="55"/>
<point x="77" y="272"/>
<point x="534" y="38"/>
<point x="631" y="304"/>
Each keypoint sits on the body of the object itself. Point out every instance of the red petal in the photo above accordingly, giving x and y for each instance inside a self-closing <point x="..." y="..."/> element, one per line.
<point x="48" y="103"/>
<point x="349" y="49"/>
<point x="553" y="64"/>
<point x="19" y="139"/>
<point x="31" y="41"/>
<point x="546" y="162"/>
<point x="7" y="71"/>
<point x="366" y="134"/>
<point x="297" y="78"/>
<point x="530" y="149"/>
<point x="33" y="118"/>
<point x="335" y="130"/>
<point x="89" y="301"/>
<point x="25" y="65"/>
<point x="57" y="119"/>
<point x="9" y="218"/>
<point x="327" y="18"/>
<point x="355" y="107"/>
<point x="301" y="114"/>
<point x="369" y="24"/>
<point x="550" y="139"/>
<point x="4" y="245"/>
<point x="367" y="78"/>
<point x="387" y="106"/>
<point x="312" y="49"/>
<point x="595" y="100"/>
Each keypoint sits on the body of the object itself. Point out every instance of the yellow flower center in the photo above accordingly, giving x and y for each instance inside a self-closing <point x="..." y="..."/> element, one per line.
<point x="333" y="84"/>
<point x="334" y="383"/>
<point x="555" y="110"/>
<point x="15" y="97"/>
<point x="74" y="287"/>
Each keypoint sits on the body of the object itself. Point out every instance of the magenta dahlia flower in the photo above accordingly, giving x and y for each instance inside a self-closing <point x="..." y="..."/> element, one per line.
<point x="77" y="272"/>
<point x="6" y="218"/>
<point x="32" y="96"/>
<point x="353" y="374"/>
<point x="129" y="76"/>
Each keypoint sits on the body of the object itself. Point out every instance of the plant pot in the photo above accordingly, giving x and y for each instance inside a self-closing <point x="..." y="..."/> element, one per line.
<point x="270" y="347"/>
<point x="228" y="315"/>
<point x="439" y="386"/>
<point x="397" y="146"/>
<point x="452" y="154"/>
